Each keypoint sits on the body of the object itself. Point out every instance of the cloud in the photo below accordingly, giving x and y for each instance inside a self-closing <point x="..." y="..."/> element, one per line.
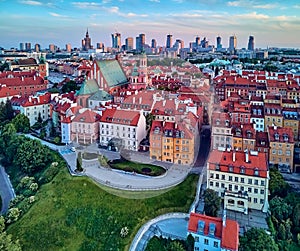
<point x="266" y="6"/>
<point x="253" y="15"/>
<point x="53" y="14"/>
<point x="155" y="1"/>
<point x="29" y="2"/>
<point x="86" y="5"/>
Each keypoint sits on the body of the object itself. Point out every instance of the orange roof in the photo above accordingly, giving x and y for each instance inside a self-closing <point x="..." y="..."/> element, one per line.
<point x="281" y="134"/>
<point x="229" y="234"/>
<point x="122" y="117"/>
<point x="224" y="159"/>
<point x="87" y="117"/>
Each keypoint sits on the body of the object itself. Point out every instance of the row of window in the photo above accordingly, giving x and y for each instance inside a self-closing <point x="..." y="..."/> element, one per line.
<point x="206" y="242"/>
<point x="117" y="127"/>
<point x="236" y="188"/>
<point x="280" y="152"/>
<point x="249" y="181"/>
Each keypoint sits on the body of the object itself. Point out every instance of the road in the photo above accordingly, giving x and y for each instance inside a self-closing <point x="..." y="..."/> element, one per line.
<point x="6" y="190"/>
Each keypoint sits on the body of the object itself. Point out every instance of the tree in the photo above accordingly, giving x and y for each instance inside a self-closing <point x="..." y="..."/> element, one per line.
<point x="175" y="246"/>
<point x="6" y="112"/>
<point x="13" y="214"/>
<point x="79" y="163"/>
<point x="21" y="123"/>
<point x="280" y="209"/>
<point x="190" y="243"/>
<point x="212" y="202"/>
<point x="70" y="86"/>
<point x="6" y="242"/>
<point x="32" y="156"/>
<point x="296" y="215"/>
<point x="277" y="184"/>
<point x="257" y="239"/>
<point x="7" y="134"/>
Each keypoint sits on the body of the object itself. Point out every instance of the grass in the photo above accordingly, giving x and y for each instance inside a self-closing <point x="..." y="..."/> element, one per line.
<point x="77" y="214"/>
<point x="140" y="168"/>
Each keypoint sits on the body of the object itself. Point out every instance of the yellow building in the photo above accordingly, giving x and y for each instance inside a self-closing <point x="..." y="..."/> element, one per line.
<point x="281" y="148"/>
<point x="240" y="179"/>
<point x="273" y="115"/>
<point x="175" y="142"/>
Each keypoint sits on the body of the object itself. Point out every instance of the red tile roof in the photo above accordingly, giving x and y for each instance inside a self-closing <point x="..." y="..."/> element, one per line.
<point x="285" y="134"/>
<point x="87" y="117"/>
<point x="224" y="159"/>
<point x="229" y="234"/>
<point x="122" y="117"/>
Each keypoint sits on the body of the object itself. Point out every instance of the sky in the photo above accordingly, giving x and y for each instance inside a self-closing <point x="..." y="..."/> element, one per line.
<point x="272" y="23"/>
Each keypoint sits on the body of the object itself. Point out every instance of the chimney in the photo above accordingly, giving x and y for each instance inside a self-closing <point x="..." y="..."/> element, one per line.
<point x="140" y="100"/>
<point x="133" y="100"/>
<point x="247" y="156"/>
<point x="224" y="218"/>
<point x="233" y="156"/>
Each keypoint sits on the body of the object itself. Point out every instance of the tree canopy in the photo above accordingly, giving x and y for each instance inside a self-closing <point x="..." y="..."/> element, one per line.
<point x="212" y="202"/>
<point x="32" y="156"/>
<point x="6" y="242"/>
<point x="21" y="123"/>
<point x="256" y="239"/>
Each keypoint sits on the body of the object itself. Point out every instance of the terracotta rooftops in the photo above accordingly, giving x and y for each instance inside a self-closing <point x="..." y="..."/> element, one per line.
<point x="281" y="134"/>
<point x="228" y="233"/>
<point x="231" y="161"/>
<point x="122" y="117"/>
<point x="87" y="117"/>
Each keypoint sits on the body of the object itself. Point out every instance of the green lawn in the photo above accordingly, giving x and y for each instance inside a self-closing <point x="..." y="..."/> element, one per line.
<point x="77" y="214"/>
<point x="137" y="167"/>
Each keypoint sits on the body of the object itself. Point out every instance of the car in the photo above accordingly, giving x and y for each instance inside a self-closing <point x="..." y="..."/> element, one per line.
<point x="73" y="149"/>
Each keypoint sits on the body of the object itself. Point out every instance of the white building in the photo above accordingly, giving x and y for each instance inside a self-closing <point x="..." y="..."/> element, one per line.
<point x="129" y="127"/>
<point x="241" y="179"/>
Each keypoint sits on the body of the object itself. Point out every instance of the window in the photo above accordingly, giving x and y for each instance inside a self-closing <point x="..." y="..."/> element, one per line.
<point x="211" y="175"/>
<point x="249" y="199"/>
<point x="236" y="179"/>
<point x="256" y="182"/>
<point x="255" y="190"/>
<point x="255" y="200"/>
<point x="217" y="176"/>
<point x="230" y="178"/>
<point x="196" y="239"/>
<point x="249" y="181"/>
<point x="262" y="191"/>
<point x="262" y="183"/>
<point x="230" y="187"/>
<point x="261" y="201"/>
<point x="242" y="180"/>
<point x="217" y="184"/>
<point x="236" y="187"/>
<point x="206" y="241"/>
<point x="223" y="177"/>
<point x="215" y="244"/>
<point x="211" y="184"/>
<point x="249" y="190"/>
<point x="222" y="185"/>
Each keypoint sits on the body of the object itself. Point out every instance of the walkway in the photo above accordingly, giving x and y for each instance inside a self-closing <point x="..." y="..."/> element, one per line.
<point x="157" y="226"/>
<point x="6" y="190"/>
<point x="175" y="173"/>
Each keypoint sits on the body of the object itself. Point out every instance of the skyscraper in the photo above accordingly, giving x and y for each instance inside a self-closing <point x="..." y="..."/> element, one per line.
<point x="86" y="42"/>
<point x="169" y="41"/>
<point x="129" y="43"/>
<point x="197" y="41"/>
<point x="140" y="42"/>
<point x="22" y="47"/>
<point x="251" y="43"/>
<point x="219" y="42"/>
<point x="28" y="46"/>
<point x="232" y="43"/>
<point x="37" y="47"/>
<point x="68" y="47"/>
<point x="116" y="40"/>
<point x="153" y="43"/>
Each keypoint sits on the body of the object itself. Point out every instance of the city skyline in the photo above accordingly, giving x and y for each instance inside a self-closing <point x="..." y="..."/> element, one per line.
<point x="272" y="23"/>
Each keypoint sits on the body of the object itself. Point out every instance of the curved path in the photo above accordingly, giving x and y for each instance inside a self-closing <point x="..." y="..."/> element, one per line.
<point x="174" y="175"/>
<point x="148" y="230"/>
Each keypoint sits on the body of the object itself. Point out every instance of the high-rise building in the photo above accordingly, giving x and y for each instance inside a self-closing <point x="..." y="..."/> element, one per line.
<point x="140" y="42"/>
<point x="68" y="47"/>
<point x="22" y="47"/>
<point x="37" y="47"/>
<point x="251" y="43"/>
<point x="100" y="45"/>
<point x="153" y="43"/>
<point x="86" y="42"/>
<point x="52" y="48"/>
<point x="232" y="43"/>
<point x="197" y="41"/>
<point x="169" y="41"/>
<point x="129" y="43"/>
<point x="27" y="46"/>
<point x="219" y="42"/>
<point x="116" y="40"/>
<point x="179" y="44"/>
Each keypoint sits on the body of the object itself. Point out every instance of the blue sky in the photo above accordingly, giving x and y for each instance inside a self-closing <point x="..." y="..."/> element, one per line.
<point x="273" y="23"/>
